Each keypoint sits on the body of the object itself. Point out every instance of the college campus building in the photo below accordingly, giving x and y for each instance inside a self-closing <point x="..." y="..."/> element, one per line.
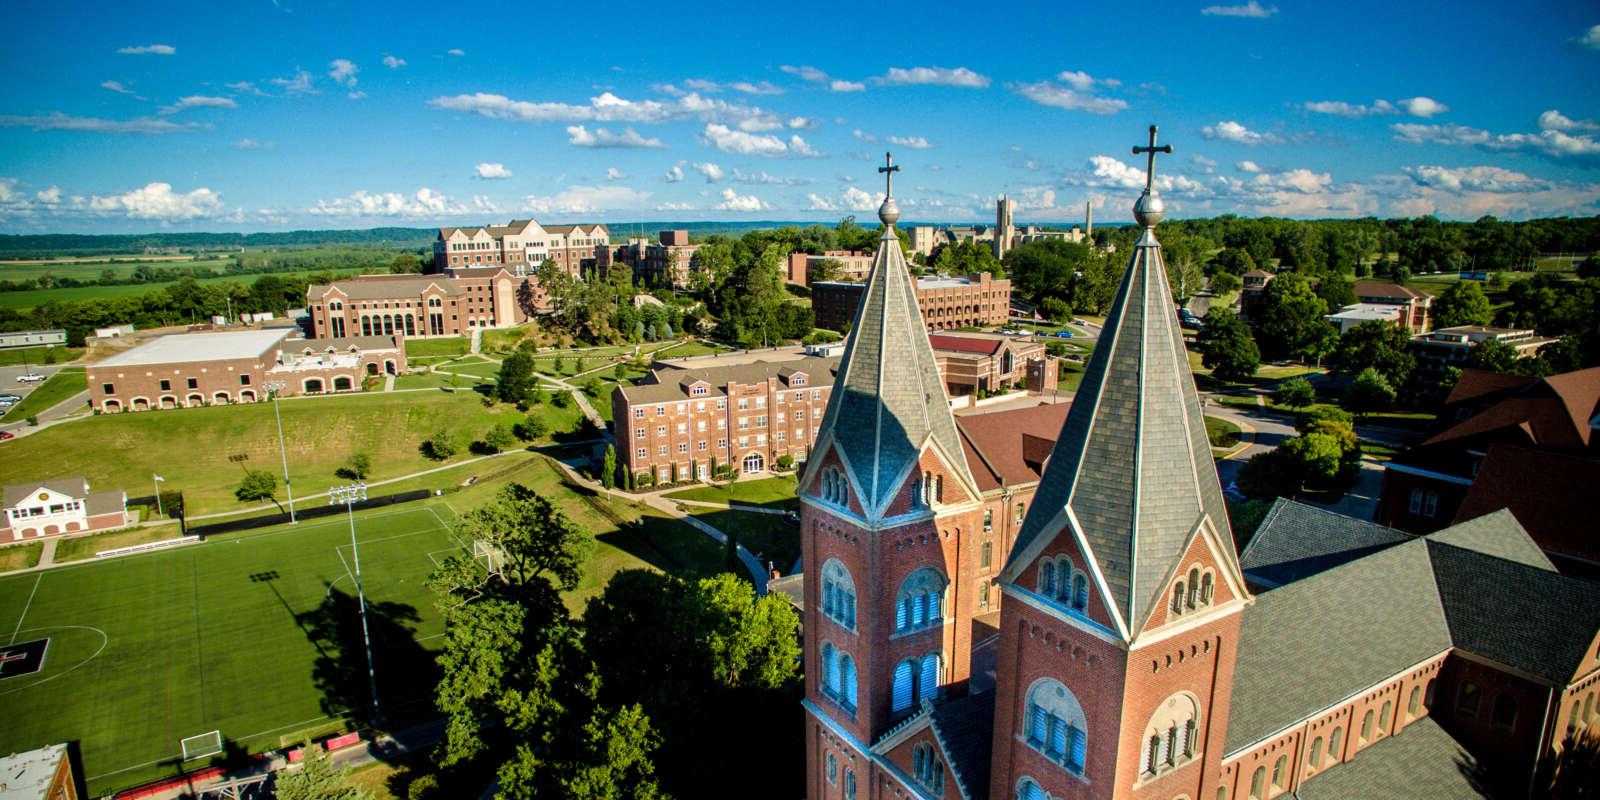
<point x="984" y="362"/>
<point x="42" y="774"/>
<point x="975" y="301"/>
<point x="1439" y="350"/>
<point x="185" y="370"/>
<point x="1134" y="654"/>
<point x="62" y="505"/>
<point x="667" y="263"/>
<point x="53" y="338"/>
<point x="1416" y="306"/>
<point x="853" y="266"/>
<point x="421" y="306"/>
<point x="521" y="246"/>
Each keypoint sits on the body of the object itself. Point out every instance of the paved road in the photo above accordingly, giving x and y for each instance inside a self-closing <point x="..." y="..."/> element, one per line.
<point x="10" y="384"/>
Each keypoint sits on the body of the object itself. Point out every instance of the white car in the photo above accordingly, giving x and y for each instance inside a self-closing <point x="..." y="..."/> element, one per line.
<point x="31" y="377"/>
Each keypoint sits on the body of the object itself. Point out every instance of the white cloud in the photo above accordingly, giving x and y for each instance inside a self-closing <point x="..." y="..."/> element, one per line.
<point x="356" y="95"/>
<point x="455" y="51"/>
<point x="198" y="101"/>
<point x="249" y="144"/>
<point x="1110" y="172"/>
<point x="116" y="86"/>
<point x="1037" y="199"/>
<point x="1423" y="106"/>
<point x="1251" y="9"/>
<point x="1230" y="131"/>
<point x="343" y="71"/>
<point x="49" y="196"/>
<point x="1049" y="94"/>
<point x="674" y="175"/>
<point x="806" y="73"/>
<point x="244" y="86"/>
<point x="913" y="142"/>
<point x="863" y="135"/>
<point x="762" y="177"/>
<point x="607" y="107"/>
<point x="712" y="172"/>
<point x="935" y="76"/>
<point x="580" y="136"/>
<point x="733" y="201"/>
<point x="1550" y="141"/>
<point x="1339" y="108"/>
<point x="1206" y="165"/>
<point x="614" y="174"/>
<point x="491" y="171"/>
<point x="755" y="88"/>
<point x="299" y="84"/>
<point x="58" y="121"/>
<point x="393" y="62"/>
<point x="587" y="200"/>
<point x="820" y="203"/>
<point x="1484" y="179"/>
<point x="158" y="201"/>
<point x="1554" y="120"/>
<point x="1591" y="38"/>
<point x="424" y="202"/>
<point x="846" y="86"/>
<point x="148" y="50"/>
<point x="851" y="199"/>
<point x="741" y="143"/>
<point x="1247" y="166"/>
<point x="483" y="205"/>
<point x="800" y="149"/>
<point x="674" y="207"/>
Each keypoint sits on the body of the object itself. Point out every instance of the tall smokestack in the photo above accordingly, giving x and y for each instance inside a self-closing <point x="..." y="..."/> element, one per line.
<point x="1088" y="220"/>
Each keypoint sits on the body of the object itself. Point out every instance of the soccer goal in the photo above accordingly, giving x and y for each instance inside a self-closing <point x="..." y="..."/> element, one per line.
<point x="486" y="555"/>
<point x="201" y="746"/>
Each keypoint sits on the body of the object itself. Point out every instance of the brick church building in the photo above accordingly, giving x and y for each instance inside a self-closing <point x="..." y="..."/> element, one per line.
<point x="1132" y="656"/>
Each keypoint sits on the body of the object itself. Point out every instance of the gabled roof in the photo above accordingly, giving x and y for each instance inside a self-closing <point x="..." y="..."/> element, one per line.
<point x="1479" y="382"/>
<point x="1551" y="412"/>
<point x="966" y="729"/>
<point x="1550" y="493"/>
<point x="1132" y="469"/>
<point x="966" y="344"/>
<point x="1009" y="448"/>
<point x="1423" y="758"/>
<point x="1296" y="540"/>
<point x="70" y="487"/>
<point x="889" y="401"/>
<point x="1390" y="291"/>
<point x="385" y="287"/>
<point x="1498" y="534"/>
<point x="668" y="381"/>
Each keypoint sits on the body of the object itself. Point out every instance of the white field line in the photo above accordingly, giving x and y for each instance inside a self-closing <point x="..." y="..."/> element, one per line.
<point x="25" y="608"/>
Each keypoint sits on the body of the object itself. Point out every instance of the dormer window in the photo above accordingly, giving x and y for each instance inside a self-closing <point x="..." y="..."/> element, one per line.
<point x="698" y="391"/>
<point x="835" y="489"/>
<point x="1193" y="592"/>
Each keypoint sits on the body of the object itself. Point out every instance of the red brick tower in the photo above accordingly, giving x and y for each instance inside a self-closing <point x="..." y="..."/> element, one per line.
<point x="1123" y="593"/>
<point x="890" y="518"/>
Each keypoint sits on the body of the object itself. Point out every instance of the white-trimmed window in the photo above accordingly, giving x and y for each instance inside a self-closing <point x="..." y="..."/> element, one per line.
<point x="1028" y="789"/>
<point x="1055" y="724"/>
<point x="838" y="594"/>
<point x="927" y="768"/>
<point x="839" y="677"/>
<point x="1169" y="739"/>
<point x="920" y="601"/>
<point x="835" y="488"/>
<point x="1194" y="591"/>
<point x="1060" y="580"/>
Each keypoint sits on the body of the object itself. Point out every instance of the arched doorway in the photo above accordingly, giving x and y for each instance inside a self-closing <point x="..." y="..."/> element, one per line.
<point x="754" y="463"/>
<point x="372" y="367"/>
<point x="341" y="384"/>
<point x="111" y="406"/>
<point x="141" y="404"/>
<point x="388" y="366"/>
<point x="311" y="385"/>
<point x="247" y="396"/>
<point x="169" y="402"/>
<point x="194" y="400"/>
<point x="220" y="398"/>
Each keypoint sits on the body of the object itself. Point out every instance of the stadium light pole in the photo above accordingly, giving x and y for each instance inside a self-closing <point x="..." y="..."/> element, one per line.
<point x="273" y="389"/>
<point x="349" y="495"/>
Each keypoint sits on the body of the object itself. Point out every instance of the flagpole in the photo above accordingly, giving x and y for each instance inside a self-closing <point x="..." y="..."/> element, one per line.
<point x="156" y="482"/>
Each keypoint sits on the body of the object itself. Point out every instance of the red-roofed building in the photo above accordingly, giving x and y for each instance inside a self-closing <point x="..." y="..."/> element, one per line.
<point x="1427" y="487"/>
<point x="1551" y="494"/>
<point x="1418" y="305"/>
<point x="973" y="362"/>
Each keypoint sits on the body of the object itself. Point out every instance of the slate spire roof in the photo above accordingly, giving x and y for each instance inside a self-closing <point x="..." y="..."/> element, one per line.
<point x="888" y="401"/>
<point x="1131" y="474"/>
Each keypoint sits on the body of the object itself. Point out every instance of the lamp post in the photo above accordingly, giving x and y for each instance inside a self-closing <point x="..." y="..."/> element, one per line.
<point x="273" y="389"/>
<point x="349" y="495"/>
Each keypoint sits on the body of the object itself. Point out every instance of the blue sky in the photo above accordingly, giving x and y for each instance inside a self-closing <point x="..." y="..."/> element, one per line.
<point x="290" y="114"/>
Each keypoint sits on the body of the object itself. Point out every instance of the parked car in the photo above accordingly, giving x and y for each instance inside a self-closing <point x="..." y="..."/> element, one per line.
<point x="11" y="396"/>
<point x="32" y="377"/>
<point x="4" y="435"/>
<point x="1063" y="334"/>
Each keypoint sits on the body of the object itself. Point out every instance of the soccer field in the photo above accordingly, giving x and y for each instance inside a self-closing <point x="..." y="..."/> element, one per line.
<point x="256" y="636"/>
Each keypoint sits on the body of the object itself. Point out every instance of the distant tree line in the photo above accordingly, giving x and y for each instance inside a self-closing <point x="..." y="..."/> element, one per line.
<point x="223" y="265"/>
<point x="49" y="245"/>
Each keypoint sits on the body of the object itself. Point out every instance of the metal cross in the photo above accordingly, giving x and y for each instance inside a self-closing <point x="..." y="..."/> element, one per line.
<point x="889" y="169"/>
<point x="1150" y="167"/>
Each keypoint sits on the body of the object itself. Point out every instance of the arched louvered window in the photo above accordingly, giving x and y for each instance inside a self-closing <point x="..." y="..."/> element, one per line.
<point x="1194" y="587"/>
<point x="1028" y="789"/>
<point x="838" y="594"/>
<point x="1080" y="591"/>
<point x="920" y="601"/>
<point x="915" y="680"/>
<point x="927" y="768"/>
<point x="905" y="684"/>
<point x="847" y="682"/>
<point x="1055" y="724"/>
<point x="830" y="670"/>
<point x="1171" y="737"/>
<point x="1206" y="589"/>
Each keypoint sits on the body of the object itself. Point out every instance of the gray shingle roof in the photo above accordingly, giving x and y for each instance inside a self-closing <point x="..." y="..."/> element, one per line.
<point x="1132" y="461"/>
<point x="668" y="382"/>
<point x="889" y="400"/>
<point x="966" y="728"/>
<point x="1498" y="534"/>
<point x="1296" y="540"/>
<point x="1307" y="646"/>
<point x="71" y="487"/>
<point x="1423" y="759"/>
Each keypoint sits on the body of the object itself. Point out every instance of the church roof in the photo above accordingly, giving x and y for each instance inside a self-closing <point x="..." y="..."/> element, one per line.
<point x="1296" y="540"/>
<point x="966" y="728"/>
<point x="888" y="400"/>
<point x="1132" y="466"/>
<point x="1423" y="758"/>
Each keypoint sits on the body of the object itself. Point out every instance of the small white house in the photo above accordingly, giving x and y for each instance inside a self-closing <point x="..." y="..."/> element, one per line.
<point x="62" y="505"/>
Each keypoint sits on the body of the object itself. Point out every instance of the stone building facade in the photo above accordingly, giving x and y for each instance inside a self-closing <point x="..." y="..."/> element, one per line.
<point x="975" y="301"/>
<point x="421" y="306"/>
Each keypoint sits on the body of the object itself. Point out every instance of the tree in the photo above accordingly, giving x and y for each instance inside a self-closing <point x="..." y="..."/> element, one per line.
<point x="317" y="779"/>
<point x="1493" y="355"/>
<point x="440" y="446"/>
<point x="406" y="263"/>
<point x="823" y="269"/>
<point x="531" y="427"/>
<point x="1380" y="345"/>
<point x="1401" y="275"/>
<point x="608" y="468"/>
<point x="1295" y="393"/>
<point x="1337" y="291"/>
<point x="1291" y="322"/>
<point x="1464" y="303"/>
<point x="1233" y="261"/>
<point x="1225" y="283"/>
<point x="499" y="438"/>
<point x="357" y="468"/>
<point x="1370" y="392"/>
<point x="516" y="380"/>
<point x="1226" y="347"/>
<point x="258" y="484"/>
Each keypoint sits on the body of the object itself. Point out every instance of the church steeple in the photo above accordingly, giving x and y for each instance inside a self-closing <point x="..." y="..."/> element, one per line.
<point x="1131" y="479"/>
<point x="888" y="403"/>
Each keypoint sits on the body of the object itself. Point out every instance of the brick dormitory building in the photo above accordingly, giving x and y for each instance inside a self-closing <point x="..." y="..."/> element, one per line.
<point x="521" y="246"/>
<point x="974" y="301"/>
<point x="187" y="370"/>
<point x="1118" y="646"/>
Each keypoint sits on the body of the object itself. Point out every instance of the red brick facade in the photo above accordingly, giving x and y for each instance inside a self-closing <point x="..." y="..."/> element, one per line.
<point x="976" y="301"/>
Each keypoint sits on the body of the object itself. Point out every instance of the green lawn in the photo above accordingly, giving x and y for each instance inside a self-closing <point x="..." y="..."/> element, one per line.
<point x="20" y="556"/>
<point x="445" y="346"/>
<point x="191" y="447"/>
<point x="688" y="349"/>
<point x="84" y="547"/>
<point x="39" y="355"/>
<point x="1070" y="373"/>
<point x="62" y="385"/>
<point x="482" y="369"/>
<point x="768" y="536"/>
<point x="774" y="492"/>
<point x="31" y="298"/>
<point x="1221" y="432"/>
